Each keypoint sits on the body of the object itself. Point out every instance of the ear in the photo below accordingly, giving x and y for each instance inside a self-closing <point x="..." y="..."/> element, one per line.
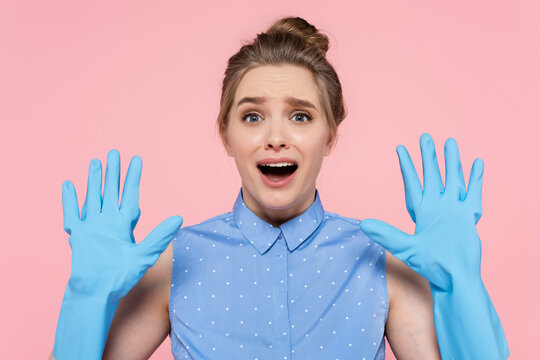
<point x="226" y="145"/>
<point x="331" y="143"/>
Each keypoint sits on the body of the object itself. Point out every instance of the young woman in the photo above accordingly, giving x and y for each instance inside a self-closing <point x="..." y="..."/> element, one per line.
<point x="278" y="277"/>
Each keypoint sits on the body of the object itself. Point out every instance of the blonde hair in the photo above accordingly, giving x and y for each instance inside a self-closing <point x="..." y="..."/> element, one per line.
<point x="290" y="40"/>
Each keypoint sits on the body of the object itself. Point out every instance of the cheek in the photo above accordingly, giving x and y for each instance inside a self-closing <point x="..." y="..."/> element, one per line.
<point x="243" y="147"/>
<point x="313" y="158"/>
<point x="312" y="145"/>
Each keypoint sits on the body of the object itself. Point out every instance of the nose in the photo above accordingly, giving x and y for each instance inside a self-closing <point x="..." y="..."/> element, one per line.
<point x="276" y="137"/>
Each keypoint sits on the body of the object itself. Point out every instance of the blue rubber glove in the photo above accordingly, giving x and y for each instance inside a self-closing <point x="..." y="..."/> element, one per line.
<point x="106" y="262"/>
<point x="445" y="249"/>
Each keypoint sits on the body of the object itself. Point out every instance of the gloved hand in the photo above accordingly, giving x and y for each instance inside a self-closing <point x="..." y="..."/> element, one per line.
<point x="106" y="262"/>
<point x="445" y="249"/>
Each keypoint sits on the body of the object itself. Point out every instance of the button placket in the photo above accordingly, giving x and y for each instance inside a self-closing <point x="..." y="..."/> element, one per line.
<point x="280" y="322"/>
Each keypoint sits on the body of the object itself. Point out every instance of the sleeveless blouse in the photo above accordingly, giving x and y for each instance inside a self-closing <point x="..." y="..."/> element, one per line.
<point x="313" y="288"/>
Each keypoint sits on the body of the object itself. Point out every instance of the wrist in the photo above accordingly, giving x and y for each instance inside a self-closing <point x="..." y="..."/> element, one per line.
<point x="461" y="283"/>
<point x="99" y="294"/>
<point x="467" y="282"/>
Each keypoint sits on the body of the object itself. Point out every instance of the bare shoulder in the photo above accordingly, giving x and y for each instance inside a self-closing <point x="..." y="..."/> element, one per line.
<point x="410" y="329"/>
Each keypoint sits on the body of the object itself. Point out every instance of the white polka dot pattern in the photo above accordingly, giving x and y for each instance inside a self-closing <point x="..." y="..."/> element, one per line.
<point x="313" y="288"/>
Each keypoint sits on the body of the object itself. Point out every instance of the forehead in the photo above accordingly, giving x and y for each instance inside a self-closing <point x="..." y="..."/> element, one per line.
<point x="277" y="82"/>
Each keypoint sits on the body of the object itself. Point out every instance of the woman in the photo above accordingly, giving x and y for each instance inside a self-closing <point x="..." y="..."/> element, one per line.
<point x="278" y="276"/>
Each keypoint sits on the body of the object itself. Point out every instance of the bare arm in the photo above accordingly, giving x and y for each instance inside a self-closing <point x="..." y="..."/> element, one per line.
<point x="141" y="322"/>
<point x="410" y="329"/>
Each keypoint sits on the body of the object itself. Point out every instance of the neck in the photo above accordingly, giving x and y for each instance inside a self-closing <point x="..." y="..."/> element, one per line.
<point x="277" y="217"/>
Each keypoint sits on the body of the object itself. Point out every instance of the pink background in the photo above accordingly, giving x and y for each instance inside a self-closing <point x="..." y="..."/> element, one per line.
<point x="77" y="80"/>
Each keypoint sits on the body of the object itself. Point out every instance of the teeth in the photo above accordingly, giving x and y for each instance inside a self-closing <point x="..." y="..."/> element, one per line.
<point x="279" y="164"/>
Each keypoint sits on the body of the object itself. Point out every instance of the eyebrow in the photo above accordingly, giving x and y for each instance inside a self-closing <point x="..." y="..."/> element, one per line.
<point x="289" y="100"/>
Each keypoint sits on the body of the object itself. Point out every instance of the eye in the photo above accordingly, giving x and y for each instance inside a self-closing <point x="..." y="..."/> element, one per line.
<point x="250" y="117"/>
<point x="302" y="117"/>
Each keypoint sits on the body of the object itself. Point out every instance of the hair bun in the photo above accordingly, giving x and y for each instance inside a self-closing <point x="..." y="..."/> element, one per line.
<point x="303" y="29"/>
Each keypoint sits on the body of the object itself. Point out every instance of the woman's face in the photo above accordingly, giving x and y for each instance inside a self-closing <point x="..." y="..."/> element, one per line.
<point x="278" y="137"/>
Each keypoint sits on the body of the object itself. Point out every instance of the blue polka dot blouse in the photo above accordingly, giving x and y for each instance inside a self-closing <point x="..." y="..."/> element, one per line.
<point x="313" y="288"/>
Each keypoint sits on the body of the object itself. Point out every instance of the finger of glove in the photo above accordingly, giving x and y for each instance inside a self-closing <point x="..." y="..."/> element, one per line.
<point x="70" y="206"/>
<point x="83" y="211"/>
<point x="112" y="181"/>
<point x="130" y="193"/>
<point x="454" y="184"/>
<point x="474" y="189"/>
<point x="386" y="235"/>
<point x="411" y="183"/>
<point x="157" y="241"/>
<point x="92" y="204"/>
<point x="432" y="177"/>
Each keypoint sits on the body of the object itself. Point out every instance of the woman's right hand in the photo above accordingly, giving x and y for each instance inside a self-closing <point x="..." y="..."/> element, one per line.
<point x="106" y="261"/>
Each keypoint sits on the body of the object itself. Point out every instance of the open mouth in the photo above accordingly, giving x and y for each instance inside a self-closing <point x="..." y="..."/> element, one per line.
<point x="277" y="171"/>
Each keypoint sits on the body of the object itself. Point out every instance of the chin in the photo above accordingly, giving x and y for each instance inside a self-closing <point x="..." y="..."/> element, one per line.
<point x="281" y="199"/>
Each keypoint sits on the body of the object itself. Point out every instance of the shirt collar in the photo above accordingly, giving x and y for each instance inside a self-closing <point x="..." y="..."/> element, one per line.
<point x="262" y="235"/>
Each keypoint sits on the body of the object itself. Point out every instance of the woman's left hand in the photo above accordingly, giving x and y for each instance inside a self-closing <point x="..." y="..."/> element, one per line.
<point x="445" y="246"/>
